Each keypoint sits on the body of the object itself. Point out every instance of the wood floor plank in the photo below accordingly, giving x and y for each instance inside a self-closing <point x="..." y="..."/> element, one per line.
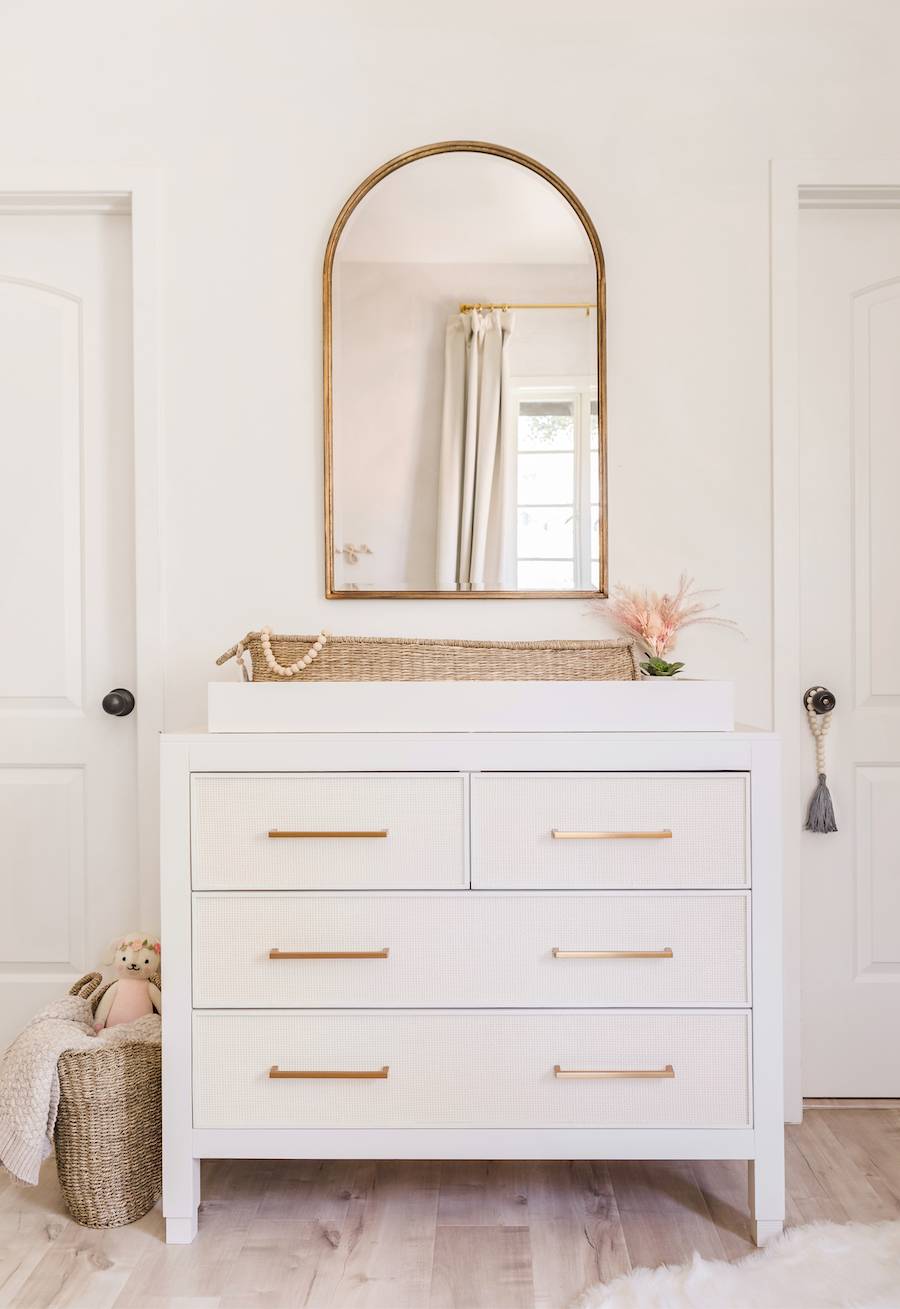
<point x="309" y="1190"/>
<point x="837" y="1172"/>
<point x="667" y="1187"/>
<point x="279" y="1262"/>
<point x="78" y="1265"/>
<point x="653" y="1239"/>
<point x="483" y="1192"/>
<point x="826" y="1210"/>
<point x="390" y="1264"/>
<point x="877" y="1134"/>
<point x="181" y="1302"/>
<point x="246" y="1181"/>
<point x="792" y="1215"/>
<point x="800" y="1180"/>
<point x="868" y="1153"/>
<point x="331" y="1265"/>
<point x="574" y="1228"/>
<point x="203" y="1268"/>
<point x="664" y="1216"/>
<point x="723" y="1185"/>
<point x="178" y="1271"/>
<point x="82" y="1268"/>
<point x="411" y="1235"/>
<point x="481" y="1268"/>
<point x="31" y="1220"/>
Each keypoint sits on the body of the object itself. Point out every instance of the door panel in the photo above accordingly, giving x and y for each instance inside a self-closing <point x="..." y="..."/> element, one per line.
<point x="67" y="770"/>
<point x="40" y="493"/>
<point x="42" y="851"/>
<point x="850" y="630"/>
<point x="876" y="406"/>
<point x="878" y="872"/>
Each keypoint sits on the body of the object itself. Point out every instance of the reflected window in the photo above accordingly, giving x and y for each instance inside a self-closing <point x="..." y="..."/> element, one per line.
<point x="558" y="486"/>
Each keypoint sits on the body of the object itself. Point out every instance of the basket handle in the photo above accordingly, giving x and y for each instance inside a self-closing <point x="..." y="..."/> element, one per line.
<point x="237" y="652"/>
<point x="86" y="986"/>
<point x="237" y="649"/>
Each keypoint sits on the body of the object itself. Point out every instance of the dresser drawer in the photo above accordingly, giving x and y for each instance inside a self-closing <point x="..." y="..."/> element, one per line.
<point x="559" y="830"/>
<point x="298" y="830"/>
<point x="477" y="949"/>
<point x="470" y="1068"/>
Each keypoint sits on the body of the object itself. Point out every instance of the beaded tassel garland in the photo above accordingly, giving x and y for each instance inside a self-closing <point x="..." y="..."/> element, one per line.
<point x="820" y="817"/>
<point x="291" y="670"/>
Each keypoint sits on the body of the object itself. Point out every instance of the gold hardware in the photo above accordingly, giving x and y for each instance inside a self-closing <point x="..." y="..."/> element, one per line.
<point x="613" y="954"/>
<point x="612" y="1073"/>
<point x="275" y="953"/>
<point x="332" y="590"/>
<point x="379" y="1074"/>
<point x="586" y="306"/>
<point x="276" y="834"/>
<point x="664" y="835"/>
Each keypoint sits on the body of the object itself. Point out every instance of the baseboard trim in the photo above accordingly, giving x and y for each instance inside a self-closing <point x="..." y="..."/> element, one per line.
<point x="825" y="1102"/>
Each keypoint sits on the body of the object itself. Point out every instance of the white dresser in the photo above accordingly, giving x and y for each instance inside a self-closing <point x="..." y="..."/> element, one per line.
<point x="467" y="945"/>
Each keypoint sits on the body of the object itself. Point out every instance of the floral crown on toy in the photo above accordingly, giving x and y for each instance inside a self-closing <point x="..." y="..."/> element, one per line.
<point x="138" y="943"/>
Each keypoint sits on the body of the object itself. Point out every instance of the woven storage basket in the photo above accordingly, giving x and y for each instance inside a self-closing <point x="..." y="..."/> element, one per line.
<point x="407" y="659"/>
<point x="109" y="1127"/>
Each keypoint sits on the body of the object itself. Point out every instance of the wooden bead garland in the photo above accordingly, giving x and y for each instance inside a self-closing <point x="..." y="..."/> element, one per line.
<point x="290" y="670"/>
<point x="819" y="725"/>
<point x="239" y="656"/>
<point x="820" y="816"/>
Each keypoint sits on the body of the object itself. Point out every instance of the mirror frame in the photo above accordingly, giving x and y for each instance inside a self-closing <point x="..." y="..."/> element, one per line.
<point x="400" y="161"/>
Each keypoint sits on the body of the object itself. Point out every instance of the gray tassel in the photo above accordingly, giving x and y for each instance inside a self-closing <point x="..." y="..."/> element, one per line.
<point x="821" y="811"/>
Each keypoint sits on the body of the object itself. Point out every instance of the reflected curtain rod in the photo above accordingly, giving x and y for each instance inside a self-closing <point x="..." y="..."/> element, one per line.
<point x="587" y="307"/>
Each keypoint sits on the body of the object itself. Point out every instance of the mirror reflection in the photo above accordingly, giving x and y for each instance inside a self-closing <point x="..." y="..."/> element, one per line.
<point x="465" y="435"/>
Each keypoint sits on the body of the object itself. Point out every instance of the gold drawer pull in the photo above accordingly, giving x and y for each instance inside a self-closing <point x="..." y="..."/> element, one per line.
<point x="275" y="953"/>
<point x="664" y="835"/>
<point x="275" y="834"/>
<point x="668" y="1071"/>
<point x="613" y="954"/>
<point x="379" y="1074"/>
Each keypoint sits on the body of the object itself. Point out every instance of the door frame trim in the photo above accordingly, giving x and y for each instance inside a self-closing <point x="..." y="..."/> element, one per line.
<point x="117" y="188"/>
<point x="797" y="184"/>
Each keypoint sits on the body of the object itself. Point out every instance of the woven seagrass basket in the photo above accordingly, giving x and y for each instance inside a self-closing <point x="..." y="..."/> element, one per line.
<point x="408" y="659"/>
<point x="109" y="1127"/>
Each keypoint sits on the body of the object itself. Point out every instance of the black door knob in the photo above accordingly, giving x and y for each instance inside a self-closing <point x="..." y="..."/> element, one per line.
<point x="119" y="702"/>
<point x="821" y="700"/>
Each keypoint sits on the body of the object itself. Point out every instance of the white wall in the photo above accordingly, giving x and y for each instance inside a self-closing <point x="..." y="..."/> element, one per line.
<point x="263" y="117"/>
<point x="390" y="323"/>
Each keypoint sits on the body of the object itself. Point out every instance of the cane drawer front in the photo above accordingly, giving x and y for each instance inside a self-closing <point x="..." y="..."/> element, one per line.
<point x="502" y="949"/>
<point x="346" y="830"/>
<point x="559" y="830"/>
<point x="470" y="1068"/>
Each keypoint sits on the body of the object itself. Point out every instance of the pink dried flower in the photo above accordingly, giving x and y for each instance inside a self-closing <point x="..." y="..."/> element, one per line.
<point x="655" y="620"/>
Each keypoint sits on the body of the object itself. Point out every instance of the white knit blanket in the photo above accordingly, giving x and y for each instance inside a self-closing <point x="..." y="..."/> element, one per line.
<point x="29" y="1079"/>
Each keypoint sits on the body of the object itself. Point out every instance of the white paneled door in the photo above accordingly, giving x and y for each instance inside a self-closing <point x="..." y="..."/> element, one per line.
<point x="68" y="842"/>
<point x="850" y="643"/>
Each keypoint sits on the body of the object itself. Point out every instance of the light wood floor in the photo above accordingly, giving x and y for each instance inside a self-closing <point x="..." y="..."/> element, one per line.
<point x="433" y="1235"/>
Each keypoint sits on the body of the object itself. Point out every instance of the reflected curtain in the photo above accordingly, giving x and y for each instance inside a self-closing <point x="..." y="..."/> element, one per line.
<point x="476" y="485"/>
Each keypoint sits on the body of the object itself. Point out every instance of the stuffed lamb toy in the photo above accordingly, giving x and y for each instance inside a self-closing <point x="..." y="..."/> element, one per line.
<point x="132" y="994"/>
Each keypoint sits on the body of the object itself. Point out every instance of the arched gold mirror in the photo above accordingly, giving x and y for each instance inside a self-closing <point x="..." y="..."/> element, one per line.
<point x="465" y="387"/>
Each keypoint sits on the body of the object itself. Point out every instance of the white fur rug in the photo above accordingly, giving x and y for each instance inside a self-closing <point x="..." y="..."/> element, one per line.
<point x="823" y="1266"/>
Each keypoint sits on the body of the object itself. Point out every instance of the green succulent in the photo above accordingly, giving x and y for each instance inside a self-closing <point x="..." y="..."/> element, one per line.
<point x="656" y="667"/>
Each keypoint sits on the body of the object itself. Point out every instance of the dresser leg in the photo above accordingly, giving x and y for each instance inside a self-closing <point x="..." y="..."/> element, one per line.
<point x="766" y="1229"/>
<point x="181" y="1200"/>
<point x="766" y="1195"/>
<point x="181" y="1231"/>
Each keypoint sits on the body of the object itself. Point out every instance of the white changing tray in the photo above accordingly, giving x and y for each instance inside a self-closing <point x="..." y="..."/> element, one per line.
<point x="651" y="705"/>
